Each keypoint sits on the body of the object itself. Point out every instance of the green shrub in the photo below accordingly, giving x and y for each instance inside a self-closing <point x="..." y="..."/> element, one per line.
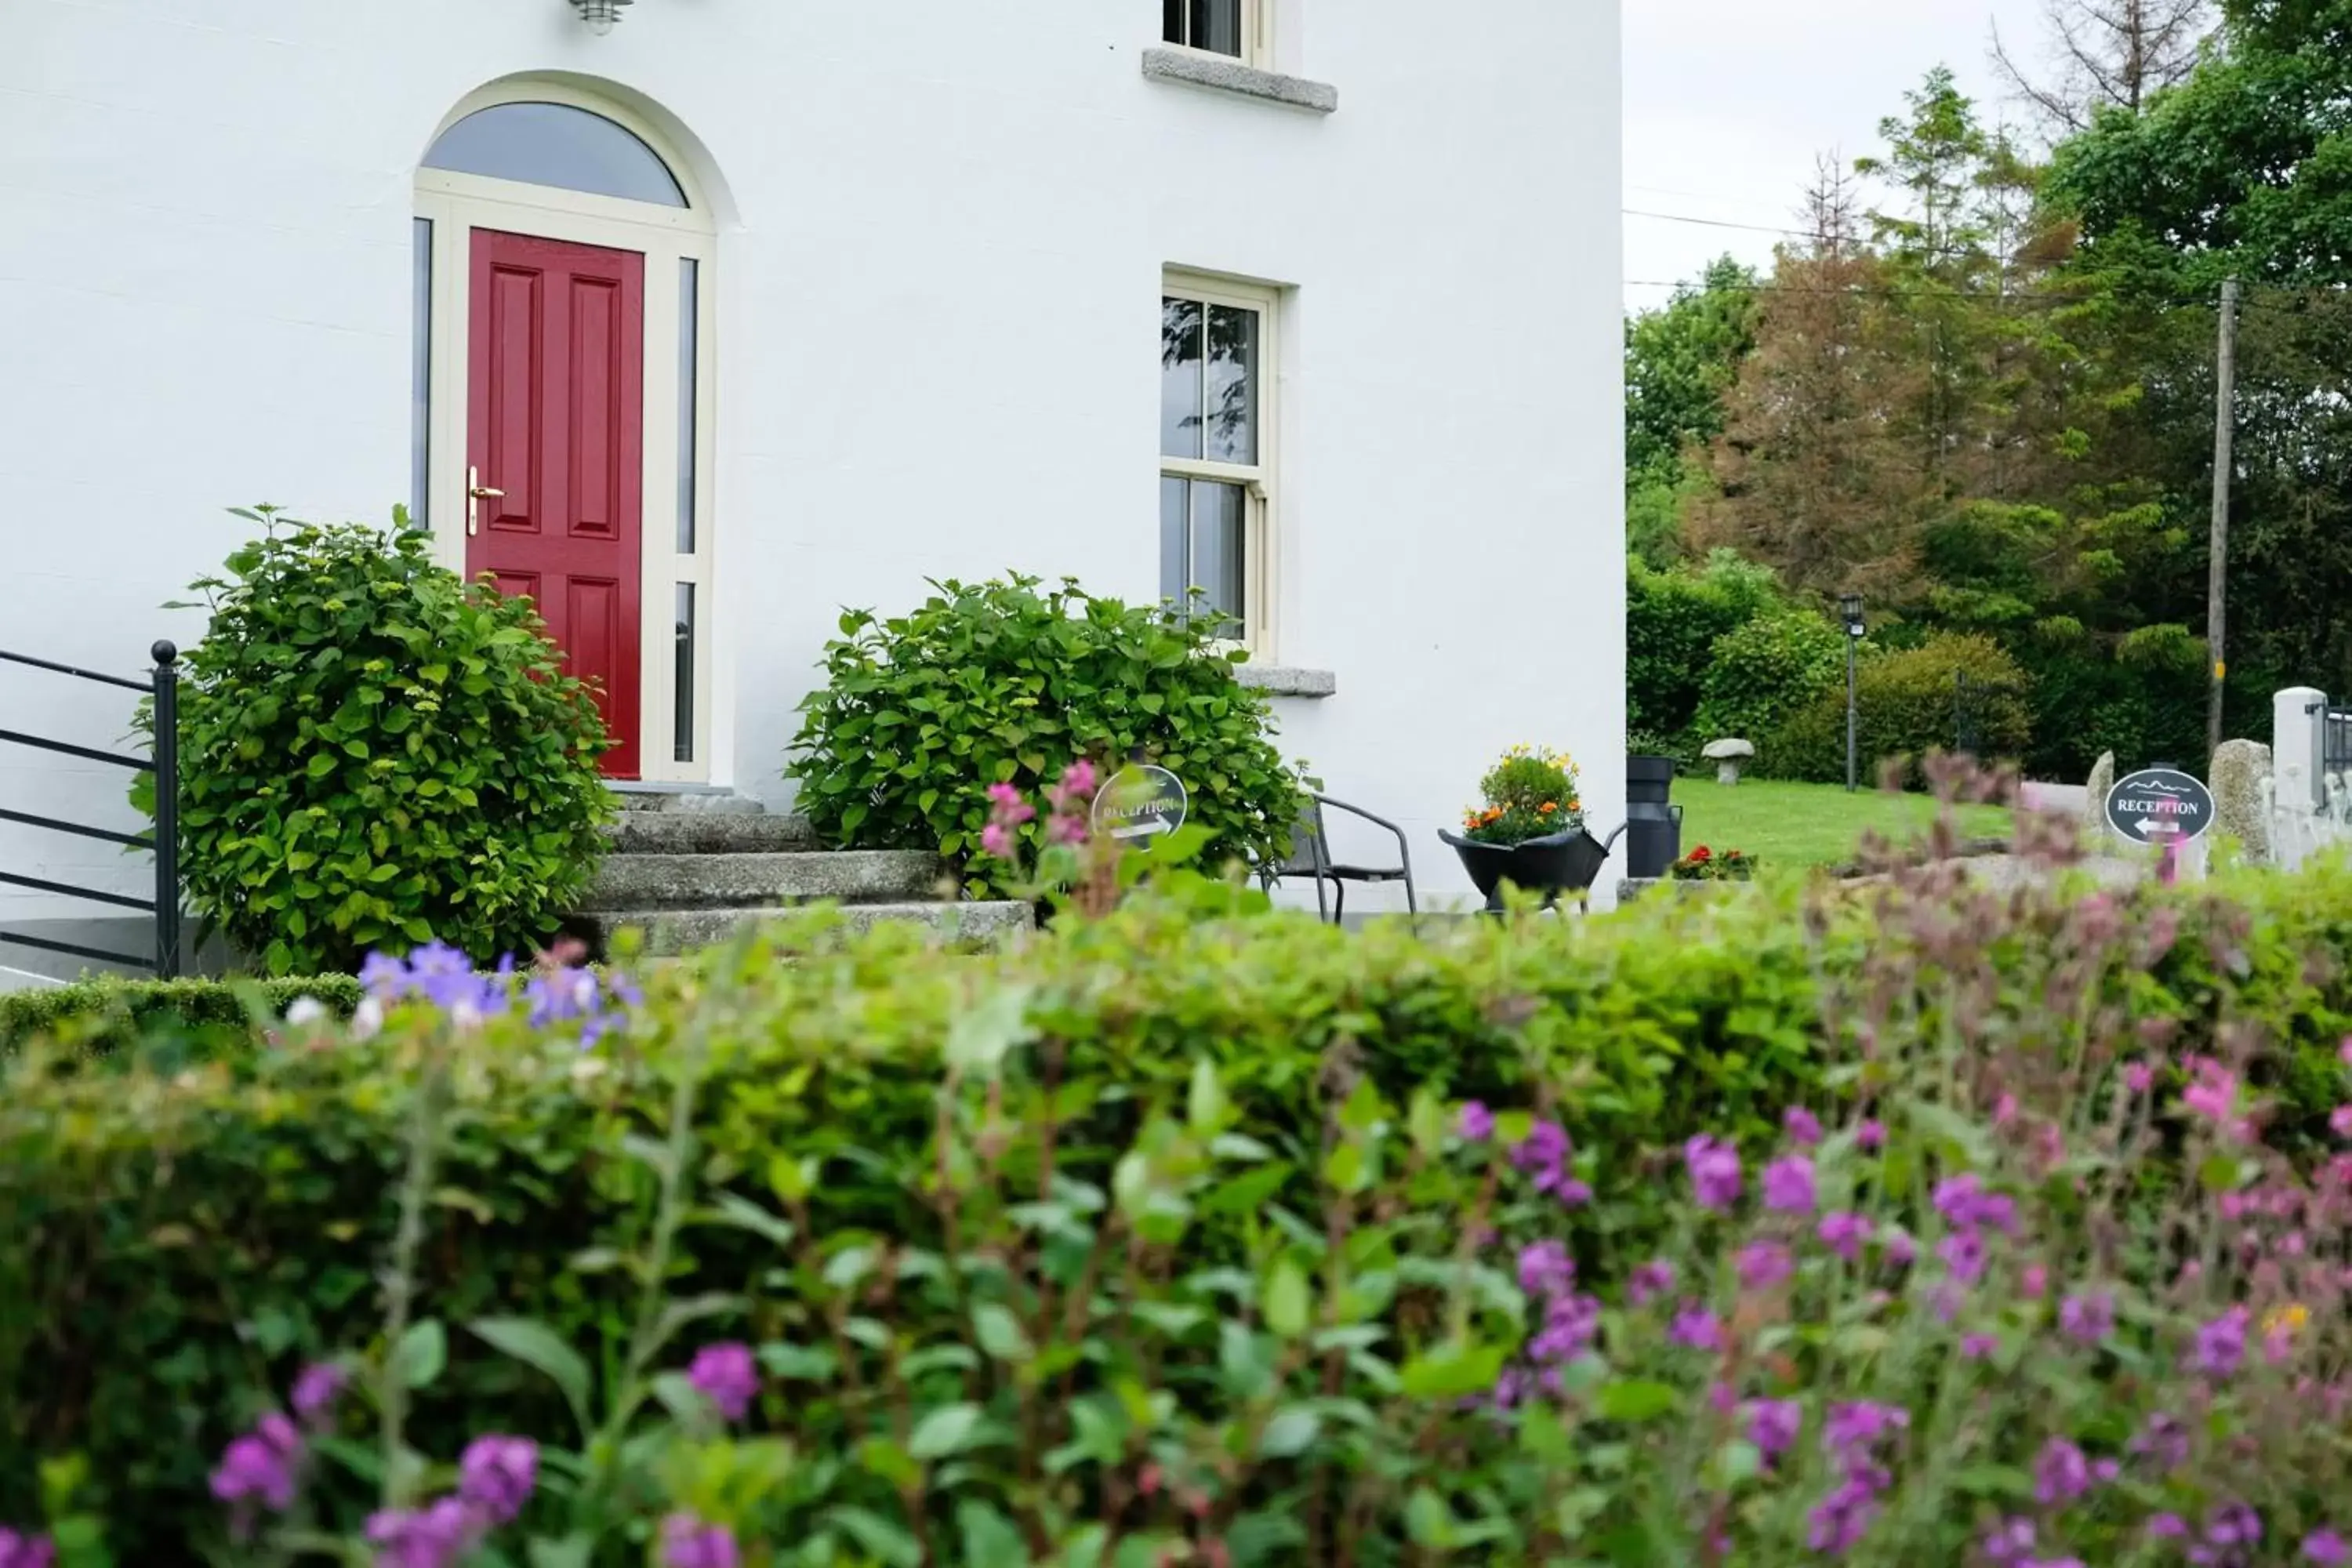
<point x="175" y="1243"/>
<point x="102" y="1017"/>
<point x="1760" y="674"/>
<point x="1006" y="682"/>
<point x="1906" y="705"/>
<point x="374" y="753"/>
<point x="1672" y="620"/>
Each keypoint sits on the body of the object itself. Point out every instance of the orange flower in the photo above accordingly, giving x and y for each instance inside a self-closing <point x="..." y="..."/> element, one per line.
<point x="1548" y="807"/>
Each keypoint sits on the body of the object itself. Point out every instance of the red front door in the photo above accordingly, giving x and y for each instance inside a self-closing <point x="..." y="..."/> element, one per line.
<point x="556" y="419"/>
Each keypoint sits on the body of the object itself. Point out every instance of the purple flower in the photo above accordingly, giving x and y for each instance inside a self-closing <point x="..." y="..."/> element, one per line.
<point x="1978" y="1347"/>
<point x="1843" y="1232"/>
<point x="26" y="1551"/>
<point x="2221" y="1344"/>
<point x="1649" y="1281"/>
<point x="1964" y="1202"/>
<point x="1859" y="1428"/>
<point x="1571" y="1324"/>
<point x="1773" y="1425"/>
<point x="316" y="1390"/>
<point x="2168" y="1527"/>
<point x="2089" y="1319"/>
<point x="1695" y="1329"/>
<point x="2163" y="1440"/>
<point x="1475" y="1123"/>
<point x="688" y="1542"/>
<point x="2010" y="1541"/>
<point x="2326" y="1547"/>
<point x="1574" y="1193"/>
<point x="1963" y="1253"/>
<point x="2233" y="1524"/>
<point x="1870" y="1137"/>
<point x="1804" y="1129"/>
<point x="725" y="1375"/>
<point x="260" y="1464"/>
<point x="1544" y="1155"/>
<point x="1789" y="1186"/>
<point x="1842" y="1518"/>
<point x="435" y="1536"/>
<point x="1714" y="1171"/>
<point x="1545" y="1269"/>
<point x="2061" y="1473"/>
<point x="1764" y="1264"/>
<point x="496" y="1475"/>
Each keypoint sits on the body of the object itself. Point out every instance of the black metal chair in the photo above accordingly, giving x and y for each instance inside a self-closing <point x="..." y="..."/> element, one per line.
<point x="1310" y="856"/>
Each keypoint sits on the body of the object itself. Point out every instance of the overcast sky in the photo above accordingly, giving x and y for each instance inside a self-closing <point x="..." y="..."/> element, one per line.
<point x="1727" y="102"/>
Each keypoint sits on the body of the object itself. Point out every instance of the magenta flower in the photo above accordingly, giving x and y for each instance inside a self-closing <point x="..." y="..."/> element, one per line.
<point x="1789" y="1186"/>
<point x="260" y="1464"/>
<point x="1978" y="1347"/>
<point x="1714" y="1171"/>
<point x="2034" y="1281"/>
<point x="2162" y="1440"/>
<point x="2326" y="1547"/>
<point x="1695" y="1329"/>
<point x="688" y="1542"/>
<point x="725" y="1375"/>
<point x="1475" y="1123"/>
<point x="437" y="1536"/>
<point x="1007" y="807"/>
<point x="2089" y="1319"/>
<point x="1870" y="1137"/>
<point x="1963" y="1201"/>
<point x="1841" y="1519"/>
<point x="2339" y="1121"/>
<point x="1843" y="1232"/>
<point x="1963" y="1253"/>
<point x="2220" y="1344"/>
<point x="26" y="1551"/>
<point x="2139" y="1076"/>
<point x="496" y="1475"/>
<point x="2212" y="1093"/>
<point x="1860" y="1427"/>
<point x="2344" y="1051"/>
<point x="1078" y="780"/>
<point x="1544" y="1154"/>
<point x="2010" y="1542"/>
<point x="1571" y="1324"/>
<point x="2168" y="1527"/>
<point x="1764" y="1264"/>
<point x="2233" y="1524"/>
<point x="1803" y="1128"/>
<point x="1773" y="1425"/>
<point x="1649" y="1281"/>
<point x="2061" y="1473"/>
<point x="316" y="1390"/>
<point x="1545" y="1269"/>
<point x="1899" y="1249"/>
<point x="996" y="841"/>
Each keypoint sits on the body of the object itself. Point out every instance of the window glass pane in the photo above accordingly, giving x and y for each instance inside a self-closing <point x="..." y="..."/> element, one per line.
<point x="420" y="375"/>
<point x="1180" y="378"/>
<point x="1233" y="384"/>
<point x="1175" y="538"/>
<point x="684" y="722"/>
<point x="688" y="322"/>
<point x="1220" y="514"/>
<point x="1172" y="20"/>
<point x="1217" y="24"/>
<point x="556" y="144"/>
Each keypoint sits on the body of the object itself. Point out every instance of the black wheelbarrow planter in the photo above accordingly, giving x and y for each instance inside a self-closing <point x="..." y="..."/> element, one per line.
<point x="1558" y="863"/>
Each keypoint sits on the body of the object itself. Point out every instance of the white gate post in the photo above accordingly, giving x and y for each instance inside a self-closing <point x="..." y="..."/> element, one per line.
<point x="2298" y="724"/>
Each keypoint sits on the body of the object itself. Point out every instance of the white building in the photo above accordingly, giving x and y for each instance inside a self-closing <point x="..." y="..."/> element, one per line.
<point x="848" y="296"/>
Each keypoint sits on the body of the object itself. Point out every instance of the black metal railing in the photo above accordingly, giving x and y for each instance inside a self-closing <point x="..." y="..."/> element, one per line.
<point x="163" y="686"/>
<point x="2334" y="743"/>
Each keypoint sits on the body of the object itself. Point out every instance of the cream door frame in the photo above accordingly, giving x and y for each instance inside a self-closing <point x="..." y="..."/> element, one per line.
<point x="457" y="204"/>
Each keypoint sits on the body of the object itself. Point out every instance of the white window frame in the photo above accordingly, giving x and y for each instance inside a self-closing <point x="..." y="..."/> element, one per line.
<point x="459" y="203"/>
<point x="1258" y="36"/>
<point x="1261" y="481"/>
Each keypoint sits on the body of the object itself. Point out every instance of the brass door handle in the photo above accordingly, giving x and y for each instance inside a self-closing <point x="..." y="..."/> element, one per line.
<point x="476" y="492"/>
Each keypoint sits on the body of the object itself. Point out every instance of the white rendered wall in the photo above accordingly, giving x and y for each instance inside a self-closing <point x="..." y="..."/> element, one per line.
<point x="939" y="273"/>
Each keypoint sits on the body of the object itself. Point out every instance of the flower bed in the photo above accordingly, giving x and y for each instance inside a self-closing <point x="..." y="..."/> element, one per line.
<point x="1724" y="1234"/>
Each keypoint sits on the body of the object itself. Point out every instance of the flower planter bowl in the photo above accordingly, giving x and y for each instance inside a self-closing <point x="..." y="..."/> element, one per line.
<point x="1560" y="863"/>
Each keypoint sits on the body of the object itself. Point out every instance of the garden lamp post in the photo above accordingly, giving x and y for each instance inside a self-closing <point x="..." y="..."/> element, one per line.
<point x="1850" y="611"/>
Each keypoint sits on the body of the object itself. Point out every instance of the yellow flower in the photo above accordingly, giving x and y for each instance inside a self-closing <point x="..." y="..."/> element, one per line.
<point x="2291" y="1317"/>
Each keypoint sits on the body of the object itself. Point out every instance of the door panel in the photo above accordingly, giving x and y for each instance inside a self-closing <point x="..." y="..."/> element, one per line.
<point x="556" y="420"/>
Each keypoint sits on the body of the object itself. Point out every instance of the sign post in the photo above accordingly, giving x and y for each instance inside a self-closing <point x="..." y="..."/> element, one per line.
<point x="1140" y="805"/>
<point x="2163" y="807"/>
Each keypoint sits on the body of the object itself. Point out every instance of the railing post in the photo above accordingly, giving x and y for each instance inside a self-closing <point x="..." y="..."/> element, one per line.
<point x="167" y="810"/>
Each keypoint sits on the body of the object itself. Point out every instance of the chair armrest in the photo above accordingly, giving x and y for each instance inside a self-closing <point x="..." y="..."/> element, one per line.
<point x="1404" y="851"/>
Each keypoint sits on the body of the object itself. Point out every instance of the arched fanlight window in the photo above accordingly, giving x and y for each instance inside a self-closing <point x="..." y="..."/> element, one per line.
<point x="556" y="144"/>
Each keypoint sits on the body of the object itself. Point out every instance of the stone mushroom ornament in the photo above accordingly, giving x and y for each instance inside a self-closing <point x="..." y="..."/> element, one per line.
<point x="1729" y="757"/>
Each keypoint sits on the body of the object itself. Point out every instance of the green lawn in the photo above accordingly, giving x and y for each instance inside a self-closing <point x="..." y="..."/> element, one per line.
<point x="1795" y="826"/>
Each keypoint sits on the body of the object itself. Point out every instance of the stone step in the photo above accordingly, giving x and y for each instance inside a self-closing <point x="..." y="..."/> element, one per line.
<point x="687" y="801"/>
<point x="741" y="881"/>
<point x="669" y="933"/>
<point x="651" y="832"/>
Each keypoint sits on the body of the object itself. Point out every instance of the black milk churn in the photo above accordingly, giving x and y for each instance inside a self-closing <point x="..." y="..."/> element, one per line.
<point x="1654" y="828"/>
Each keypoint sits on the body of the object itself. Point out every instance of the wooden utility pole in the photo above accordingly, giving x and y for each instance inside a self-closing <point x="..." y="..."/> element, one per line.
<point x="2217" y="571"/>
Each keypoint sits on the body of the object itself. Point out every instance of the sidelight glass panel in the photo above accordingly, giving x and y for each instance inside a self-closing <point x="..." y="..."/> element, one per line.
<point x="1232" y="404"/>
<point x="556" y="144"/>
<point x="420" y="375"/>
<point x="684" y="664"/>
<point x="690" y="323"/>
<point x="1180" y="378"/>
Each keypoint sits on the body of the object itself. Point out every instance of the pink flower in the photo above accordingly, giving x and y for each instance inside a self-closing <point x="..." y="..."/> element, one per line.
<point x="1764" y="1264"/>
<point x="2035" y="1281"/>
<point x="1475" y="1123"/>
<point x="2326" y="1547"/>
<point x="724" y="1374"/>
<point x="1078" y="779"/>
<point x="1714" y="1171"/>
<point x="1007" y="807"/>
<point x="1694" y="1327"/>
<point x="1804" y="1129"/>
<point x="2339" y="1121"/>
<point x="1843" y="1232"/>
<point x="1066" y="829"/>
<point x="2088" y="1318"/>
<point x="1870" y="1137"/>
<point x="1976" y="1347"/>
<point x="2344" y="1051"/>
<point x="2139" y="1078"/>
<point x="1789" y="1186"/>
<point x="316" y="1389"/>
<point x="996" y="840"/>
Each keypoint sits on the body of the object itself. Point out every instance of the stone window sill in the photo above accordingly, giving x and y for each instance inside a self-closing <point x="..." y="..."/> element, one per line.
<point x="1286" y="680"/>
<point x="1198" y="69"/>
